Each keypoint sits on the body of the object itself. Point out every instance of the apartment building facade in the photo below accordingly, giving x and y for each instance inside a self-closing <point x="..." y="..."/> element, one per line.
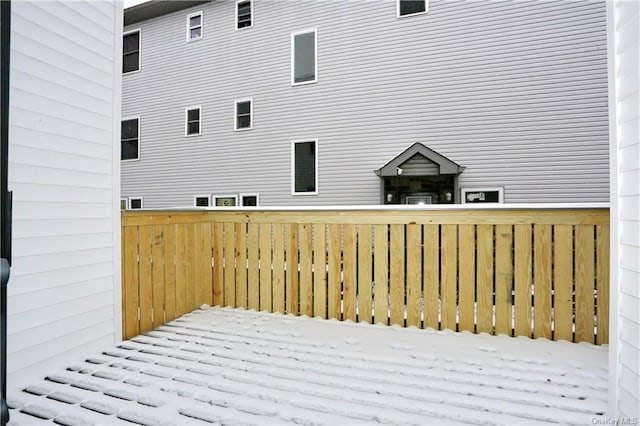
<point x="311" y="102"/>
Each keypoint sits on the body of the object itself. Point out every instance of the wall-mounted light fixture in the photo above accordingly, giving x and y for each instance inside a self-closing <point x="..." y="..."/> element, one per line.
<point x="398" y="170"/>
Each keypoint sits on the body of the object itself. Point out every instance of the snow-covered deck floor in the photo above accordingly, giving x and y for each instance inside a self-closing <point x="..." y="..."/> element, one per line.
<point x="232" y="366"/>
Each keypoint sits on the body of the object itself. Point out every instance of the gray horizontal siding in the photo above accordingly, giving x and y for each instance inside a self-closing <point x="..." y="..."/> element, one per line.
<point x="516" y="92"/>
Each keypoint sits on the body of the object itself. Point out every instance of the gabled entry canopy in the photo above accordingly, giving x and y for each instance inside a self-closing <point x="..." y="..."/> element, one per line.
<point x="446" y="166"/>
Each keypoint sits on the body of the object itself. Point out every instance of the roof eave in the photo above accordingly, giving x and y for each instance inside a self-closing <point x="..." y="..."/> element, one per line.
<point x="153" y="9"/>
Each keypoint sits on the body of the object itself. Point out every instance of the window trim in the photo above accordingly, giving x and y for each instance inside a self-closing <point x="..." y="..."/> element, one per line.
<point x="139" y="141"/>
<point x="136" y="198"/>
<point x="216" y="196"/>
<point x="236" y="14"/>
<point x="235" y="114"/>
<point x="186" y="121"/>
<point x="139" y="31"/>
<point x="249" y="194"/>
<point x="315" y="54"/>
<point x="207" y="196"/>
<point x="426" y="10"/>
<point x="293" y="166"/>
<point x="464" y="190"/>
<point x="189" y="27"/>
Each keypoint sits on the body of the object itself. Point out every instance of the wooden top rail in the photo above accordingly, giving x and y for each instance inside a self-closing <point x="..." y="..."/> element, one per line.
<point x="574" y="215"/>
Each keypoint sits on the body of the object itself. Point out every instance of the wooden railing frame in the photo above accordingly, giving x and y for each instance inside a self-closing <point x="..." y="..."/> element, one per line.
<point x="444" y="267"/>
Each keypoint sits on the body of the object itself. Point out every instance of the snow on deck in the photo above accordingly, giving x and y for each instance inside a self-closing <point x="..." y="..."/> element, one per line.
<point x="232" y="366"/>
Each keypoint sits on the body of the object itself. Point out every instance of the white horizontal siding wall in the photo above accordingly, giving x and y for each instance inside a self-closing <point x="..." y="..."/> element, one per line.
<point x="64" y="131"/>
<point x="624" y="30"/>
<point x="516" y="92"/>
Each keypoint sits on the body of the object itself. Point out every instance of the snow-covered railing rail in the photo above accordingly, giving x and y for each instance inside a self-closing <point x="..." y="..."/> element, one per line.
<point x="521" y="271"/>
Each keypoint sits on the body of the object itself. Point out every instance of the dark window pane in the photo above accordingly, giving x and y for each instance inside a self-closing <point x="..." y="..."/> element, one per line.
<point x="244" y="14"/>
<point x="129" y="150"/>
<point x="130" y="52"/>
<point x="305" y="167"/>
<point x="244" y="121"/>
<point x="482" y="197"/>
<point x="408" y="7"/>
<point x="244" y="107"/>
<point x="250" y="201"/>
<point x="131" y="43"/>
<point x="202" y="202"/>
<point x="196" y="32"/>
<point x="225" y="202"/>
<point x="130" y="62"/>
<point x="136" y="203"/>
<point x="193" y="128"/>
<point x="193" y="115"/>
<point x="304" y="57"/>
<point x="195" y="21"/>
<point x="129" y="129"/>
<point x="123" y="204"/>
<point x="129" y="139"/>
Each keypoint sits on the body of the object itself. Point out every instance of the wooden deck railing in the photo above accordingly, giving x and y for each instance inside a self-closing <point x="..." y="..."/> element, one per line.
<point x="537" y="273"/>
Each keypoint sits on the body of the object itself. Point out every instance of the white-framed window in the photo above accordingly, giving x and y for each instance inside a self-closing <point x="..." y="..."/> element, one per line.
<point x="243" y="113"/>
<point x="481" y="195"/>
<point x="304" y="167"/>
<point x="131" y="51"/>
<point x="244" y="14"/>
<point x="192" y="118"/>
<point x="249" y="200"/>
<point x="304" y="57"/>
<point x="225" y="200"/>
<point x="194" y="26"/>
<point x="202" y="200"/>
<point x="130" y="139"/>
<point x="135" y="203"/>
<point x="411" y="7"/>
<point x="124" y="204"/>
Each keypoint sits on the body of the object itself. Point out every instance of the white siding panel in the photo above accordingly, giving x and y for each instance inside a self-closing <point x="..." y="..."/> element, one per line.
<point x="29" y="265"/>
<point x="630" y="333"/>
<point x="51" y="245"/>
<point x="629" y="279"/>
<point x="58" y="226"/>
<point x="36" y="284"/>
<point x="39" y="157"/>
<point x="624" y="30"/>
<point x="628" y="403"/>
<point x="26" y="173"/>
<point x="516" y="92"/>
<point x="89" y="336"/>
<point x="64" y="116"/>
<point x="64" y="303"/>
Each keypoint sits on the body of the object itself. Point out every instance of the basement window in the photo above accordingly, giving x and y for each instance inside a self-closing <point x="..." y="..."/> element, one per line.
<point x="481" y="195"/>
<point x="225" y="200"/>
<point x="201" y="200"/>
<point x="249" y="200"/>
<point x="135" y="203"/>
